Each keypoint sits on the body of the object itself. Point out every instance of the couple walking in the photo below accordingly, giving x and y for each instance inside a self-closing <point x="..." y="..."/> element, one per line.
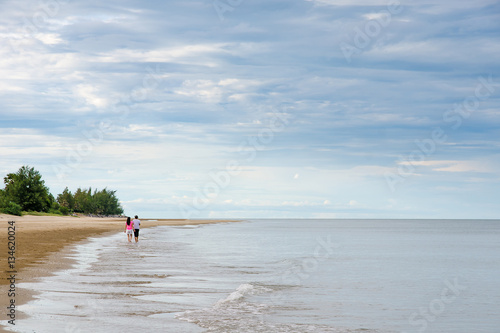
<point x="132" y="228"/>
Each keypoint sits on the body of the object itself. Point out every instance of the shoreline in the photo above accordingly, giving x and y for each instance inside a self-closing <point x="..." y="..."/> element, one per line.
<point x="42" y="243"/>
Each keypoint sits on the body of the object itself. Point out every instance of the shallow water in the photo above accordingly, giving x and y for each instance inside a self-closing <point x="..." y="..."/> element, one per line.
<point x="279" y="276"/>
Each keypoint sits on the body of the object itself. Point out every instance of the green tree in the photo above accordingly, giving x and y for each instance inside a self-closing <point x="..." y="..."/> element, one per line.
<point x="66" y="199"/>
<point x="27" y="189"/>
<point x="105" y="202"/>
<point x="3" y="199"/>
<point x="81" y="200"/>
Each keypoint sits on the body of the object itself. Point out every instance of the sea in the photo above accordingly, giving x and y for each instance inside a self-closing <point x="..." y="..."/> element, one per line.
<point x="288" y="275"/>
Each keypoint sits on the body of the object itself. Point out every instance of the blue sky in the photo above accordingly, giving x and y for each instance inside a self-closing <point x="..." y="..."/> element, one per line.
<point x="239" y="109"/>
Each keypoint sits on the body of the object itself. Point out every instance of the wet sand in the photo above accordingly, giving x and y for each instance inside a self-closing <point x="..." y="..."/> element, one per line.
<point x="41" y="241"/>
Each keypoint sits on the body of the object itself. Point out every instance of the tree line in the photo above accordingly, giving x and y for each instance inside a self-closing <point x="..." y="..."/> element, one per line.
<point x="25" y="191"/>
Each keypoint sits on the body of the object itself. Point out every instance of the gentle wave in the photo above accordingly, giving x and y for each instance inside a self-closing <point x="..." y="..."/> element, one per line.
<point x="239" y="313"/>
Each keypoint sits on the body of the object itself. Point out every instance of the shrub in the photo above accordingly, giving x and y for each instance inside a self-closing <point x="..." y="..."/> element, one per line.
<point x="64" y="210"/>
<point x="12" y="209"/>
<point x="54" y="212"/>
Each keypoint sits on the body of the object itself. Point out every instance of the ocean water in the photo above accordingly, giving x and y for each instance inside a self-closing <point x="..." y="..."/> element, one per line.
<point x="279" y="276"/>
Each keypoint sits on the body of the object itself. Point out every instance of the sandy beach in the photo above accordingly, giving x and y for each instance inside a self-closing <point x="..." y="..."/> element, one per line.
<point x="40" y="242"/>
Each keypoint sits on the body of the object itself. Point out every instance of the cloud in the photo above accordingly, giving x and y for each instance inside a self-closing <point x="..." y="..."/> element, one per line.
<point x="182" y="91"/>
<point x="350" y="3"/>
<point x="91" y="95"/>
<point x="454" y="166"/>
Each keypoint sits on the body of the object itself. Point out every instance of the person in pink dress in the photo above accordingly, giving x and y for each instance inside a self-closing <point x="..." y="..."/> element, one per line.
<point x="129" y="229"/>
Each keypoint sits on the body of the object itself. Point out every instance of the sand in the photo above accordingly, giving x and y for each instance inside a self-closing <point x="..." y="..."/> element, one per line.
<point x="40" y="242"/>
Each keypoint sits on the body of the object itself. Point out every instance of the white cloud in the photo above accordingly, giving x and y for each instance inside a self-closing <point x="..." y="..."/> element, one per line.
<point x="205" y="90"/>
<point x="466" y="166"/>
<point x="353" y="203"/>
<point x="92" y="95"/>
<point x="215" y="92"/>
<point x="454" y="166"/>
<point x="382" y="16"/>
<point x="350" y="3"/>
<point x="49" y="38"/>
<point x="196" y="54"/>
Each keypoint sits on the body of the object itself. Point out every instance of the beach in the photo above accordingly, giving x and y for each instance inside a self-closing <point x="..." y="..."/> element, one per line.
<point x="40" y="242"/>
<point x="255" y="276"/>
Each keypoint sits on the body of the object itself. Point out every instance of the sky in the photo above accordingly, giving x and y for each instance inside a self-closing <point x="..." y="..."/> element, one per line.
<point x="258" y="109"/>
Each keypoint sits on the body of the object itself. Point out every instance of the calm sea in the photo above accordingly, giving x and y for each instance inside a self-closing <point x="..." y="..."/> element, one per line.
<point x="279" y="276"/>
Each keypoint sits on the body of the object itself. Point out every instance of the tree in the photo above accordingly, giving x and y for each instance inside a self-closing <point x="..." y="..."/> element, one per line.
<point x="3" y="199"/>
<point x="105" y="202"/>
<point x="66" y="199"/>
<point x="102" y="202"/>
<point x="81" y="200"/>
<point x="27" y="189"/>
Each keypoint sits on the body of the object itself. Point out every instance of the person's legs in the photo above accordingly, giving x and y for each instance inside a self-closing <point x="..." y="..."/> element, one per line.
<point x="129" y="237"/>
<point x="136" y="234"/>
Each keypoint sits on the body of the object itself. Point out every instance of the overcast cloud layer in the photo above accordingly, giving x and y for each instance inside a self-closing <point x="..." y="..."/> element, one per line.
<point x="320" y="108"/>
